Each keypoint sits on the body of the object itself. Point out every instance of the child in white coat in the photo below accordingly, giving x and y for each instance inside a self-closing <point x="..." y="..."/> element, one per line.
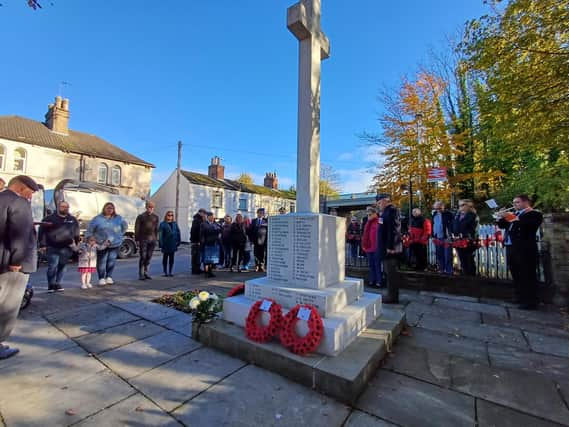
<point x="88" y="260"/>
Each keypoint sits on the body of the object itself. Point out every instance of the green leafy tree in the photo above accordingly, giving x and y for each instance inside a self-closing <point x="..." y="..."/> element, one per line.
<point x="245" y="178"/>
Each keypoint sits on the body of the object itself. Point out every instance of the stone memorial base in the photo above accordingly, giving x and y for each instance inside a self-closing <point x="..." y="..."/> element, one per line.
<point x="340" y="327"/>
<point x="343" y="377"/>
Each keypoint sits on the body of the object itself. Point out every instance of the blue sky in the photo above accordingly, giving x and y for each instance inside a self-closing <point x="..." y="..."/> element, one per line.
<point x="219" y="75"/>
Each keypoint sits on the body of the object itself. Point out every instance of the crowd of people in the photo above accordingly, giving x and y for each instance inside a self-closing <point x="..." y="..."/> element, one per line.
<point x="380" y="238"/>
<point x="231" y="243"/>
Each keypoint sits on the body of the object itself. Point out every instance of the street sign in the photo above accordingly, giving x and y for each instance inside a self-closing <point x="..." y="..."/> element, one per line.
<point x="436" y="174"/>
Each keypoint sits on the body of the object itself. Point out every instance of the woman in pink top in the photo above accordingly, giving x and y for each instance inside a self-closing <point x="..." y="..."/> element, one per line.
<point x="369" y="245"/>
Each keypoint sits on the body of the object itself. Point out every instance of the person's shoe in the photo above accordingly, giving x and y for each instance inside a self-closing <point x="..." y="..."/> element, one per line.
<point x="245" y="269"/>
<point x="58" y="288"/>
<point x="239" y="270"/>
<point x="170" y="275"/>
<point x="102" y="282"/>
<point x="89" y="285"/>
<point x="141" y="277"/>
<point x="84" y="286"/>
<point x="109" y="281"/>
<point x="6" y="352"/>
<point x="210" y="274"/>
<point x="231" y="269"/>
<point x="147" y="277"/>
<point x="164" y="274"/>
<point x="50" y="288"/>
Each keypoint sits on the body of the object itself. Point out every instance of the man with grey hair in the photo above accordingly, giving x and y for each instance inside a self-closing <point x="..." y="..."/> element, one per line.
<point x="17" y="248"/>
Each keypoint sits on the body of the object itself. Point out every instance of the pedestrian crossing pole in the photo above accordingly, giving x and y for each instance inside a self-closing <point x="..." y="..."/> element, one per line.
<point x="178" y="169"/>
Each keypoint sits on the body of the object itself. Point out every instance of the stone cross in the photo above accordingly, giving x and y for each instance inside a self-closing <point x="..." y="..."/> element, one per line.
<point x="303" y="20"/>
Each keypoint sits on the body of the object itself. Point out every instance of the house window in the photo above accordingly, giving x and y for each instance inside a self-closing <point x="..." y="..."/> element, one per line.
<point x="217" y="199"/>
<point x="116" y="176"/>
<point x="243" y="204"/>
<point x="2" y="157"/>
<point x="19" y="160"/>
<point x="103" y="173"/>
<point x="292" y="208"/>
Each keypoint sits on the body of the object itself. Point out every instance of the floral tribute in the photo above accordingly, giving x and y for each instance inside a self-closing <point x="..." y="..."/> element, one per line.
<point x="253" y="328"/>
<point x="237" y="290"/>
<point x="309" y="342"/>
<point x="202" y="305"/>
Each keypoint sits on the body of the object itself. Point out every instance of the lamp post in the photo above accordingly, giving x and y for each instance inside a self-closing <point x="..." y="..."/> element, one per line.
<point x="419" y="119"/>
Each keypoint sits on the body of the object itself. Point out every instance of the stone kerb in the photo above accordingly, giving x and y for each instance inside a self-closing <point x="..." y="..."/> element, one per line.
<point x="306" y="250"/>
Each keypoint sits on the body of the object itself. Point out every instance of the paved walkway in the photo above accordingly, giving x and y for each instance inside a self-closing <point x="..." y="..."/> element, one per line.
<point x="109" y="357"/>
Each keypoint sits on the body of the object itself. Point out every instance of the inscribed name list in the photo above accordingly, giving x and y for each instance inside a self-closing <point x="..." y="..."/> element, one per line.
<point x="293" y="249"/>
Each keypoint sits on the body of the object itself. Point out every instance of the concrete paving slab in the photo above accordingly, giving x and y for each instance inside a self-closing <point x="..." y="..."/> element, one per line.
<point x="134" y="411"/>
<point x="176" y="382"/>
<point x="180" y="322"/>
<point x="543" y="364"/>
<point x="421" y="363"/>
<point x="255" y="397"/>
<point x="482" y="332"/>
<point x="495" y="310"/>
<point x="449" y="296"/>
<point x="443" y="312"/>
<point x="549" y="345"/>
<point x="413" y="318"/>
<point x="40" y="394"/>
<point x="409" y="402"/>
<point x="525" y="325"/>
<point x="94" y="317"/>
<point x="553" y="318"/>
<point x="526" y="392"/>
<point x="492" y="415"/>
<point x="415" y="296"/>
<point x="117" y="336"/>
<point x="563" y="388"/>
<point x="495" y="301"/>
<point x="444" y="343"/>
<point x="361" y="419"/>
<point x="36" y="339"/>
<point x="145" y="309"/>
<point x="141" y="356"/>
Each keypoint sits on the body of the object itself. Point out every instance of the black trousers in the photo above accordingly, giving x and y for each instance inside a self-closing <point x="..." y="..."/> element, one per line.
<point x="419" y="251"/>
<point x="146" y="251"/>
<point x="196" y="258"/>
<point x="238" y="254"/>
<point x="466" y="257"/>
<point x="260" y="252"/>
<point x="522" y="261"/>
<point x="168" y="261"/>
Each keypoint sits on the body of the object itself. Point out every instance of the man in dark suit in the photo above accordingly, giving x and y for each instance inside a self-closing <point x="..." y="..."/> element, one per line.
<point x="521" y="248"/>
<point x="389" y="245"/>
<point x="442" y="230"/>
<point x="258" y="236"/>
<point x="17" y="244"/>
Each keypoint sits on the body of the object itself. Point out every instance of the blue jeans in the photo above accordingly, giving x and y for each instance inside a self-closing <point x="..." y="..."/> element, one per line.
<point x="444" y="259"/>
<point x="375" y="270"/>
<point x="57" y="259"/>
<point x="106" y="260"/>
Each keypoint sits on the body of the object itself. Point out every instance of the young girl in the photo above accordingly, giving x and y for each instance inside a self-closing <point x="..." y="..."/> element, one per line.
<point x="88" y="260"/>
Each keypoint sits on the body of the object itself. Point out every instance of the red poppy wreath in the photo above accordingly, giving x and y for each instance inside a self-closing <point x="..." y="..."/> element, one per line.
<point x="309" y="342"/>
<point x="253" y="328"/>
<point x="237" y="290"/>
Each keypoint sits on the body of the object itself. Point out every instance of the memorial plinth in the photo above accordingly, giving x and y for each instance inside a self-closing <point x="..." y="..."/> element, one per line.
<point x="306" y="255"/>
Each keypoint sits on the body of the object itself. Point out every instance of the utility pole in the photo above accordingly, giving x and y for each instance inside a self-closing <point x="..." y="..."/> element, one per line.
<point x="419" y="118"/>
<point x="178" y="169"/>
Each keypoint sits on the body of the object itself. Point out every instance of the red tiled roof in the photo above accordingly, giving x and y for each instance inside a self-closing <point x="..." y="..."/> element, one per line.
<point x="28" y="131"/>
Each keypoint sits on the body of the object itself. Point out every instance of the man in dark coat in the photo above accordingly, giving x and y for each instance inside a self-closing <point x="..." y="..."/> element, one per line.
<point x="146" y="234"/>
<point x="442" y="230"/>
<point x="521" y="248"/>
<point x="258" y="236"/>
<point x="196" y="251"/>
<point x="58" y="235"/>
<point x="17" y="244"/>
<point x="389" y="245"/>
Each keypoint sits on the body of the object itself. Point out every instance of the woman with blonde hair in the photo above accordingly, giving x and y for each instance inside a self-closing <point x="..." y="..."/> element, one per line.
<point x="168" y="241"/>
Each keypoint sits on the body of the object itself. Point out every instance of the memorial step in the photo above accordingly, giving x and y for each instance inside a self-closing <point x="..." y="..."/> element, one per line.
<point x="340" y="328"/>
<point x="327" y="301"/>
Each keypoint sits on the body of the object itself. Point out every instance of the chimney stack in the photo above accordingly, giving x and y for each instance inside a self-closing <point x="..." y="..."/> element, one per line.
<point x="57" y="116"/>
<point x="271" y="180"/>
<point x="216" y="170"/>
